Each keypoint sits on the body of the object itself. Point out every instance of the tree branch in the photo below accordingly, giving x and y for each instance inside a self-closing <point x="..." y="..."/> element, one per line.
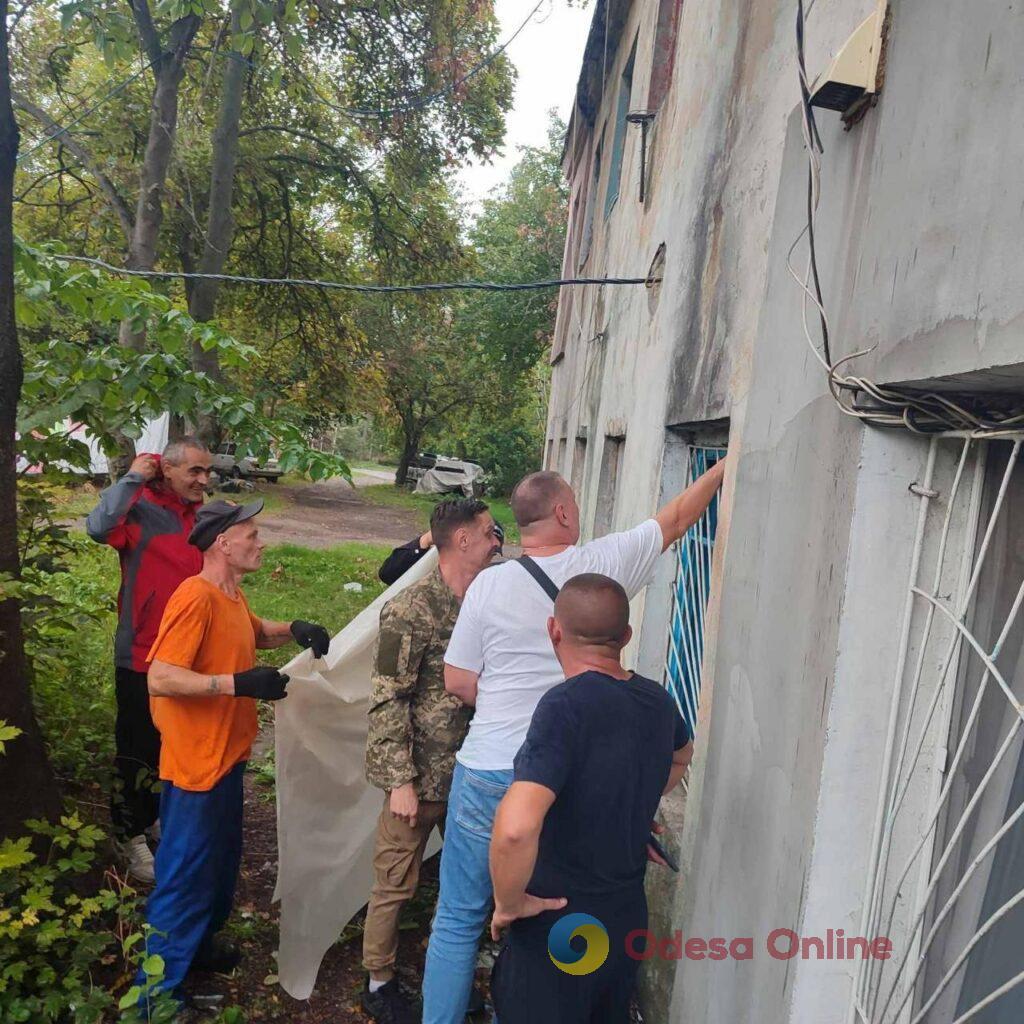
<point x="147" y="31"/>
<point x="114" y="198"/>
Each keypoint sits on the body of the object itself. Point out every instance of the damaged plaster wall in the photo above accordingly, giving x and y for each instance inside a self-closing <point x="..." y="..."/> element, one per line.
<point x="921" y="244"/>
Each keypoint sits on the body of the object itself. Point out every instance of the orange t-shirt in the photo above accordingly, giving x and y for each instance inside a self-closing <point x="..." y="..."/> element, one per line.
<point x="203" y="738"/>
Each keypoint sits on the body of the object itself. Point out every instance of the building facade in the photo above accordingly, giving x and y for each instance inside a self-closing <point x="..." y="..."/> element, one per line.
<point x="844" y="631"/>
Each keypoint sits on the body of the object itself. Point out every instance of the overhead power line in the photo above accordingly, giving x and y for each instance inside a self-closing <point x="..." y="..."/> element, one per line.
<point x="350" y="286"/>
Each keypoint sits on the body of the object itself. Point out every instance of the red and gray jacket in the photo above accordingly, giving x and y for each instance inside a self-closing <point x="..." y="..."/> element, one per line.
<point x="150" y="530"/>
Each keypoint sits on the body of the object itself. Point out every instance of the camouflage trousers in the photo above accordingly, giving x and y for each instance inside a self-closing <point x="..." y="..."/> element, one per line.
<point x="396" y="870"/>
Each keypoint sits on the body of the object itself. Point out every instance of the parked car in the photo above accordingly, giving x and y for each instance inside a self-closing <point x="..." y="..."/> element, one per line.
<point x="230" y="461"/>
<point x="419" y="464"/>
<point x="448" y="476"/>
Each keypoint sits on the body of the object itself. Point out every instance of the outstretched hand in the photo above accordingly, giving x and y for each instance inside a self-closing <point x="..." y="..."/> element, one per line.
<point x="528" y="906"/>
<point x="309" y="634"/>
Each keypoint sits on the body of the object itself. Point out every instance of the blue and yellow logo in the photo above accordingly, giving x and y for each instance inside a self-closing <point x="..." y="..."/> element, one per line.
<point x="571" y="960"/>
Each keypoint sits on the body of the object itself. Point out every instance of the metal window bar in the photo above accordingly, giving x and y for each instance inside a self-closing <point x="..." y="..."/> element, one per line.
<point x="690" y="591"/>
<point x="896" y="993"/>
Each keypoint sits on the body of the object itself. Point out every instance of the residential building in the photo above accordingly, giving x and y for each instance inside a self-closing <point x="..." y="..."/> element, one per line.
<point x="843" y="629"/>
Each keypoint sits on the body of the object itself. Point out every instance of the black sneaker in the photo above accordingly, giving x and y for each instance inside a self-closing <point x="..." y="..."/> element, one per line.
<point x="217" y="955"/>
<point x="388" y="1005"/>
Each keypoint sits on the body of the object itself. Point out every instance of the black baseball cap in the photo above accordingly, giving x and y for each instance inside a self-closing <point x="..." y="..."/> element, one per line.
<point x="217" y="516"/>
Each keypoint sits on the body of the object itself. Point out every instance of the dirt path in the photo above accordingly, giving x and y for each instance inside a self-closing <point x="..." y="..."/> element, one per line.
<point x="324" y="514"/>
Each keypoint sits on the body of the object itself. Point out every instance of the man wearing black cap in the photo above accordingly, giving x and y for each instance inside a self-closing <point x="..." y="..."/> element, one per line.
<point x="204" y="683"/>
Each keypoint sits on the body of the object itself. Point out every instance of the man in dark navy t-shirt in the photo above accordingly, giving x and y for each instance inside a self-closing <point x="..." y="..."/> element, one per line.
<point x="570" y="836"/>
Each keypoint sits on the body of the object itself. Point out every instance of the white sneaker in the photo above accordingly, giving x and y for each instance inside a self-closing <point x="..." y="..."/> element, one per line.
<point x="139" y="859"/>
<point x="154" y="831"/>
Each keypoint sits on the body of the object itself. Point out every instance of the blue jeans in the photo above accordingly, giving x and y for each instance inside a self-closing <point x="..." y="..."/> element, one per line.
<point x="466" y="895"/>
<point x="196" y="868"/>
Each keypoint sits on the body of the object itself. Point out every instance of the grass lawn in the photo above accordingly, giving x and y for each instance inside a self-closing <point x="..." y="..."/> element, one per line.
<point x="299" y="583"/>
<point x="387" y="494"/>
<point x="378" y="466"/>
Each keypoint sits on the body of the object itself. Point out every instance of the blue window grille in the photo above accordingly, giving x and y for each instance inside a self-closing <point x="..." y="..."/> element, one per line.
<point x="690" y="592"/>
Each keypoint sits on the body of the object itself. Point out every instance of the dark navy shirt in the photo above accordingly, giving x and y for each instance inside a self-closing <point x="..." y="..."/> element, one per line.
<point x="604" y="747"/>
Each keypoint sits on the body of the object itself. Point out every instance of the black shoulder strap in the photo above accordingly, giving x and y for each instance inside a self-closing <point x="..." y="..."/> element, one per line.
<point x="545" y="581"/>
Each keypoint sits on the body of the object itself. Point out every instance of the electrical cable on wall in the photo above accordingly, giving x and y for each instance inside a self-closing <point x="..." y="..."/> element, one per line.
<point x="881" y="405"/>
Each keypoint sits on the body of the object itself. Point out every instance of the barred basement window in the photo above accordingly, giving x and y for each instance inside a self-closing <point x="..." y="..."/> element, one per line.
<point x="946" y="882"/>
<point x="690" y="593"/>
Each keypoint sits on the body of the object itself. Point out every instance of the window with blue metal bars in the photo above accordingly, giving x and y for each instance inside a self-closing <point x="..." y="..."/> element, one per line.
<point x="690" y="592"/>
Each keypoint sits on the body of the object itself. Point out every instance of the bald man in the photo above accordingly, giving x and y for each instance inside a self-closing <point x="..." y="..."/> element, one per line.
<point x="500" y="660"/>
<point x="570" y="836"/>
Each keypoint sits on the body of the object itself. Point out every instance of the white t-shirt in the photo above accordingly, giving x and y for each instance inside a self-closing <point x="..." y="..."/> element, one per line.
<point x="502" y="635"/>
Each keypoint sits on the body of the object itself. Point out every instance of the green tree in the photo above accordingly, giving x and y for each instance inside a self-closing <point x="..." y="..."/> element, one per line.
<point x="518" y="235"/>
<point x="239" y="131"/>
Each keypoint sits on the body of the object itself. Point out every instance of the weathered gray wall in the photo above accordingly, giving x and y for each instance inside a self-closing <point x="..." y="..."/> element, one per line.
<point x="921" y="243"/>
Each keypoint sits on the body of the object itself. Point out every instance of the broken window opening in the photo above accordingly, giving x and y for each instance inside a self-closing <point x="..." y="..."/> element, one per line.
<point x="690" y="593"/>
<point x="619" y="139"/>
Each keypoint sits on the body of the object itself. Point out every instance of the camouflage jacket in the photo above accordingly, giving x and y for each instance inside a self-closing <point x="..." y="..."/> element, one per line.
<point x="415" y="725"/>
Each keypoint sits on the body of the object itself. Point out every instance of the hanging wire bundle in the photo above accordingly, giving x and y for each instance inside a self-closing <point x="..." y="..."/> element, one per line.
<point x="921" y="410"/>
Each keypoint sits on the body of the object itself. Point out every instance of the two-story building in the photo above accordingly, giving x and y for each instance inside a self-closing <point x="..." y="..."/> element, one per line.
<point x="842" y="629"/>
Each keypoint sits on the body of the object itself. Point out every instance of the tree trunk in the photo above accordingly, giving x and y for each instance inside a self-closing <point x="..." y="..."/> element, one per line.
<point x="27" y="786"/>
<point x="410" y="447"/>
<point x="220" y="225"/>
<point x="169" y="69"/>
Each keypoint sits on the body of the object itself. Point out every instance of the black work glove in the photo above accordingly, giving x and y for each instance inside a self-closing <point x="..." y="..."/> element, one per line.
<point x="309" y="634"/>
<point x="261" y="682"/>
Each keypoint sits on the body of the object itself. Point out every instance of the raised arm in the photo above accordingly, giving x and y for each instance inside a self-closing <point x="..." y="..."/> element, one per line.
<point x="402" y="559"/>
<point x="514" y="842"/>
<point x="105" y="524"/>
<point x="685" y="509"/>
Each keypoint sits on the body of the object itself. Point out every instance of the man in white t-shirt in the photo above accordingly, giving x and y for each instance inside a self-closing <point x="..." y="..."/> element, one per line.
<point x="500" y="660"/>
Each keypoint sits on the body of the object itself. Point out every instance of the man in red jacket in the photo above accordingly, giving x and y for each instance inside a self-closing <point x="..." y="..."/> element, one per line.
<point x="147" y="516"/>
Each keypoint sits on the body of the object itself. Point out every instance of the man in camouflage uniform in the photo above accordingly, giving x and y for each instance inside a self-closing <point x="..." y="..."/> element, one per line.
<point x="415" y="728"/>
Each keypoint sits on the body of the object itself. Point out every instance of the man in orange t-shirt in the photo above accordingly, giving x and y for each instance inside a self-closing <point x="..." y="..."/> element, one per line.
<point x="204" y="683"/>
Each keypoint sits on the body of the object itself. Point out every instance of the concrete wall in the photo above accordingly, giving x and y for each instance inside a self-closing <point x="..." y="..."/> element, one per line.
<point x="921" y="244"/>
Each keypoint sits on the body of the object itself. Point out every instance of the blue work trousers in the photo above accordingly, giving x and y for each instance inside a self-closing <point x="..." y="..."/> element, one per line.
<point x="196" y="869"/>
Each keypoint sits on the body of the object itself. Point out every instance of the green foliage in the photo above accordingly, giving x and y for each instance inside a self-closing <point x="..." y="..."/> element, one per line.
<point x="519" y="235"/>
<point x="509" y="446"/>
<point x="59" y="929"/>
<point x="84" y="375"/>
<point x="318" y="192"/>
<point x="7" y="732"/>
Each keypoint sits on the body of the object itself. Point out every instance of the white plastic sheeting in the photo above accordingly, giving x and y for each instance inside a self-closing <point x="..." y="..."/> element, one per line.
<point x="326" y="810"/>
<point x="153" y="439"/>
